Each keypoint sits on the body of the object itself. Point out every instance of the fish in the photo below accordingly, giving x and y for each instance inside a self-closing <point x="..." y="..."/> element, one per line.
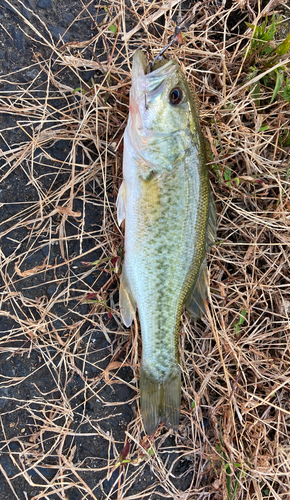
<point x="170" y="222"/>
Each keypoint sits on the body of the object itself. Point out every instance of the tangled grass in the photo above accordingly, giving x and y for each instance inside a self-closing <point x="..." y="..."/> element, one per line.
<point x="62" y="251"/>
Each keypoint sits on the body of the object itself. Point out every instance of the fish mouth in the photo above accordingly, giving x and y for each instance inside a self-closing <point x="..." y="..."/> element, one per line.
<point x="151" y="77"/>
<point x="139" y="65"/>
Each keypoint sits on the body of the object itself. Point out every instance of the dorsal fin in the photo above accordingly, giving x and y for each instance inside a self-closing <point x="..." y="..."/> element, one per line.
<point x="196" y="299"/>
<point x="195" y="304"/>
<point x="211" y="222"/>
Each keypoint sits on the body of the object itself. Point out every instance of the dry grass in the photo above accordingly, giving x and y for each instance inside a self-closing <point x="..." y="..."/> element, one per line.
<point x="233" y="436"/>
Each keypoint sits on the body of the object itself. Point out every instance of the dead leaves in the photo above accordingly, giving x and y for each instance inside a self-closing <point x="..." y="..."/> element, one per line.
<point x="114" y="365"/>
<point x="33" y="270"/>
<point x="67" y="211"/>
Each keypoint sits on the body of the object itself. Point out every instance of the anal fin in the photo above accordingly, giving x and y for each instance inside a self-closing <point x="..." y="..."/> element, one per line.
<point x="195" y="303"/>
<point x="126" y="300"/>
<point x="160" y="400"/>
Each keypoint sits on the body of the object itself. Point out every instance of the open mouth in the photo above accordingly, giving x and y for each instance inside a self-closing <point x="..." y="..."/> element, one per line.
<point x="141" y="68"/>
<point x="156" y="63"/>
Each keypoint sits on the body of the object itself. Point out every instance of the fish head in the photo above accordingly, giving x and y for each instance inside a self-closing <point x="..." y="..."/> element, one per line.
<point x="162" y="119"/>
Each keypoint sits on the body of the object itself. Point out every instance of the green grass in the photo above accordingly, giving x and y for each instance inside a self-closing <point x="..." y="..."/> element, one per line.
<point x="263" y="53"/>
<point x="231" y="470"/>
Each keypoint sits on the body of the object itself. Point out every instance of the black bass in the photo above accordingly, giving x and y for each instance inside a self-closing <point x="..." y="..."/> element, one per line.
<point x="170" y="221"/>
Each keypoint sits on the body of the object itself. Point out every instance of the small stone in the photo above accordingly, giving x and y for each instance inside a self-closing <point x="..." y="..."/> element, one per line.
<point x="88" y="75"/>
<point x="3" y="397"/>
<point x="101" y="17"/>
<point x="58" y="32"/>
<point x="84" y="309"/>
<point x="19" y="40"/>
<point x="8" y="7"/>
<point x="43" y="471"/>
<point x="62" y="144"/>
<point x="68" y="18"/>
<point x="44" y="4"/>
<point x="91" y="9"/>
<point x="45" y="249"/>
<point x="58" y="325"/>
<point x="52" y="289"/>
<point x="32" y="74"/>
<point x="26" y="12"/>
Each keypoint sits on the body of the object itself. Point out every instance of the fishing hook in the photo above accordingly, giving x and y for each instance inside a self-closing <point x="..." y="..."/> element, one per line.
<point x="172" y="39"/>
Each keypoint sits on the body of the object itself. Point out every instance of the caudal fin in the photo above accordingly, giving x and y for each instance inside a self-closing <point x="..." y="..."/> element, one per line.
<point x="160" y="400"/>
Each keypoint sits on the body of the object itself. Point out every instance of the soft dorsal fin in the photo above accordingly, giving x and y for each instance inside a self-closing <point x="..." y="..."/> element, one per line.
<point x="196" y="299"/>
<point x="195" y="304"/>
<point x="211" y="222"/>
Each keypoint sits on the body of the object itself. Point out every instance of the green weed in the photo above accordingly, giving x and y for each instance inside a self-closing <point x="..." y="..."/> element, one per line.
<point x="242" y="319"/>
<point x="80" y="89"/>
<point x="139" y="457"/>
<point x="113" y="28"/>
<point x="224" y="175"/>
<point x="284" y="139"/>
<point x="231" y="470"/>
<point x="263" y="54"/>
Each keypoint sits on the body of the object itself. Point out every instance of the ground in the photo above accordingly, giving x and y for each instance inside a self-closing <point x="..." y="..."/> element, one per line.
<point x="70" y="419"/>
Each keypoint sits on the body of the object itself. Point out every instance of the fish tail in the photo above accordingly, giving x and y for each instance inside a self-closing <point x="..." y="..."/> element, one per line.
<point x="160" y="400"/>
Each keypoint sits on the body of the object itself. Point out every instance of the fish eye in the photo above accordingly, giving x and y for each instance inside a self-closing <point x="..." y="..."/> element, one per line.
<point x="176" y="96"/>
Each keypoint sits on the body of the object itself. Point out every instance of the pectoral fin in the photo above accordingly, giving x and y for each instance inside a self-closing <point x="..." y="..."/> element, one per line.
<point x="127" y="302"/>
<point x="121" y="203"/>
<point x="195" y="302"/>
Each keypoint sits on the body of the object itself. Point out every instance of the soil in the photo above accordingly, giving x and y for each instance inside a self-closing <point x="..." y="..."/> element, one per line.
<point x="44" y="375"/>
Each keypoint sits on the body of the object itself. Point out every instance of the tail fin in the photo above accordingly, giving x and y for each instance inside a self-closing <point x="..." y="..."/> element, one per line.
<point x="160" y="400"/>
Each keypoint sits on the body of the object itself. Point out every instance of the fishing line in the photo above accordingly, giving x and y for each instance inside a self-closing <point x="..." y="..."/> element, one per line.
<point x="172" y="39"/>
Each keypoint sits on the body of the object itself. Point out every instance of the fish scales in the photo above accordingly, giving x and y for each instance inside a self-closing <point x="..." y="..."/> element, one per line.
<point x="165" y="201"/>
